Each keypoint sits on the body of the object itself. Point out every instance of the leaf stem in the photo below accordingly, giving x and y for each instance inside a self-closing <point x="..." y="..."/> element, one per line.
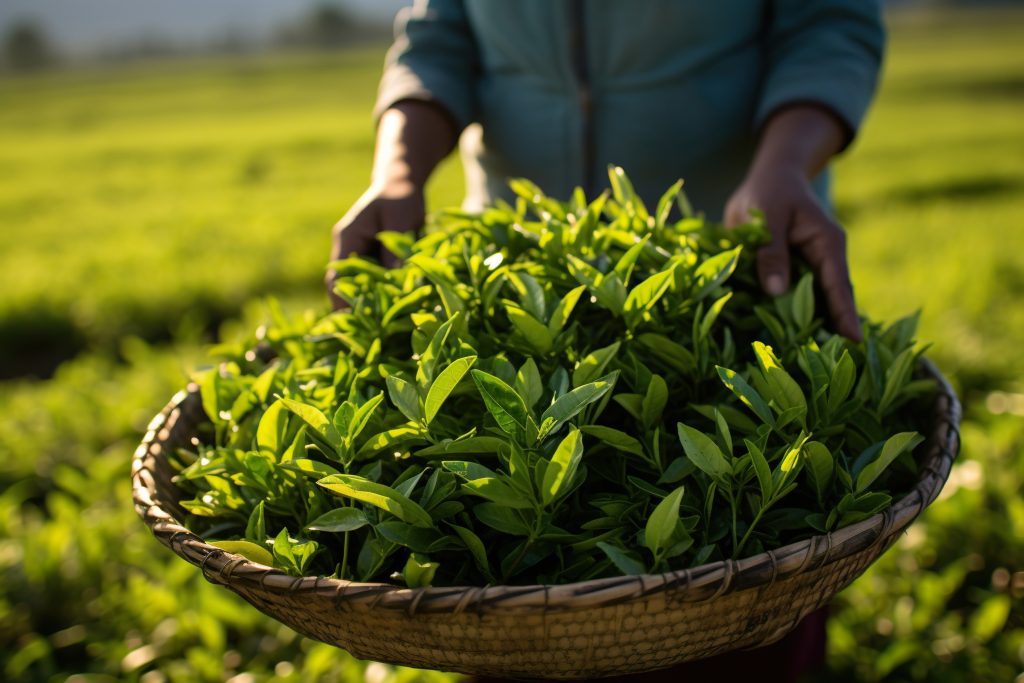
<point x="344" y="557"/>
<point x="732" y="506"/>
<point x="534" y="532"/>
<point x="743" y="541"/>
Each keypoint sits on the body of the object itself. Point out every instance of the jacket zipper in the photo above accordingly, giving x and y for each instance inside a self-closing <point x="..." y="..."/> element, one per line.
<point x="584" y="93"/>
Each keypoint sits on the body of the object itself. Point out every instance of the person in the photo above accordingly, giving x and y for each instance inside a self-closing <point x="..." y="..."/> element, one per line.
<point x="748" y="101"/>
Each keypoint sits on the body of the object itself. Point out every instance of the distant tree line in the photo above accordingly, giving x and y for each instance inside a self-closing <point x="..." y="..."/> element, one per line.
<point x="26" y="46"/>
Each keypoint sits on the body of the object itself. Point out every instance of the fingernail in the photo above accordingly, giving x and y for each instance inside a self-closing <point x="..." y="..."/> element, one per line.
<point x="775" y="285"/>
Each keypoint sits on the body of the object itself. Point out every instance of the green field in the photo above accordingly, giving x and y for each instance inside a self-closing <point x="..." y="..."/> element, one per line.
<point x="147" y="208"/>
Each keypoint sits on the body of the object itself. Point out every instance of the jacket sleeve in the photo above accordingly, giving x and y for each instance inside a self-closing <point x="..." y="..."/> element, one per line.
<point x="434" y="59"/>
<point x="826" y="52"/>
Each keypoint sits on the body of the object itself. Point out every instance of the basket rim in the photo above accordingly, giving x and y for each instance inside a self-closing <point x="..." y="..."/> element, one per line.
<point x="699" y="583"/>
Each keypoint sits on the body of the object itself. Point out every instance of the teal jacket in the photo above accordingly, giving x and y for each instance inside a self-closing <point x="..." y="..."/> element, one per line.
<point x="666" y="89"/>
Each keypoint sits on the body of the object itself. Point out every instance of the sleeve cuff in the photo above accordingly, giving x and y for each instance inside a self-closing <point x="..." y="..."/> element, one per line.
<point x="845" y="97"/>
<point x="402" y="83"/>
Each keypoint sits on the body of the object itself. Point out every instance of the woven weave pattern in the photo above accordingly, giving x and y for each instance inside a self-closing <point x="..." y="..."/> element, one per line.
<point x="596" y="628"/>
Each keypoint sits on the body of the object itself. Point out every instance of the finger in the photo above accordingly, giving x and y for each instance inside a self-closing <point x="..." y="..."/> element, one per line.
<point x="357" y="236"/>
<point x="823" y="244"/>
<point x="736" y="212"/>
<point x="352" y="235"/>
<point x="773" y="263"/>
<point x="402" y="216"/>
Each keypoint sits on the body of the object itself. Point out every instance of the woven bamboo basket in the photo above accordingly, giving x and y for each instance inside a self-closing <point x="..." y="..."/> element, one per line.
<point x="591" y="629"/>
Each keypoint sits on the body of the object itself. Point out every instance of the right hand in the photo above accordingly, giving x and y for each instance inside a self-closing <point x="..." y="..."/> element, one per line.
<point x="398" y="206"/>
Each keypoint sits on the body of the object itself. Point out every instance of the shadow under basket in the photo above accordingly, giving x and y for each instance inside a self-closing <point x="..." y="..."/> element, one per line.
<point x="597" y="628"/>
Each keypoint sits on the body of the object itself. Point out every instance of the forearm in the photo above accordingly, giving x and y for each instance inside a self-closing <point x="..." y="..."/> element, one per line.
<point x="412" y="139"/>
<point x="799" y="137"/>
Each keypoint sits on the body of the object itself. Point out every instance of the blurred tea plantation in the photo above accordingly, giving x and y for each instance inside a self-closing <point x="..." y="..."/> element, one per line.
<point x="147" y="209"/>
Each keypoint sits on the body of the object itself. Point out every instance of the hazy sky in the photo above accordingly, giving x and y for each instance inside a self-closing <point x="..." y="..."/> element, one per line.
<point x="84" y="26"/>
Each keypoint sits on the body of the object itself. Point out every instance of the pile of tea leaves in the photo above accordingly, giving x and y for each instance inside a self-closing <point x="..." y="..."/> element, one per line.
<point x="546" y="393"/>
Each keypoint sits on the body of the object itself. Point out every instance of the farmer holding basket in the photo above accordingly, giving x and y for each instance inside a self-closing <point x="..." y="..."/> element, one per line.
<point x="749" y="100"/>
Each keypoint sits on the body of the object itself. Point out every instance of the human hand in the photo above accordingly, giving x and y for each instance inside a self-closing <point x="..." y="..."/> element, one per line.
<point x="392" y="206"/>
<point x="796" y="219"/>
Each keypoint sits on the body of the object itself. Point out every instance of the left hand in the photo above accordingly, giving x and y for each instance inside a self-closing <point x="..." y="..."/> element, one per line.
<point x="796" y="219"/>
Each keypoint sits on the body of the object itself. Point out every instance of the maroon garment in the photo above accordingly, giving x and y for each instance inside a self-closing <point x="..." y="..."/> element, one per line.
<point x="800" y="653"/>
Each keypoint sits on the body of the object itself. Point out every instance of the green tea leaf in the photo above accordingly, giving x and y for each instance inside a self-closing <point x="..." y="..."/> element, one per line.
<point x="654" y="401"/>
<point x="209" y="392"/>
<point x="562" y="467"/>
<point x="476" y="548"/>
<point x="646" y="295"/>
<point x="292" y="556"/>
<point x="894" y="445"/>
<point x="672" y="354"/>
<point x="661" y="525"/>
<point x="311" y="468"/>
<point x="625" y="195"/>
<point x="413" y="301"/>
<point x="401" y="437"/>
<point x="474" y="444"/>
<point x="712" y="315"/>
<point x="270" y="433"/>
<point x="624" y="561"/>
<point x="322" y="427"/>
<point x="785" y="392"/>
<point x="791" y="463"/>
<point x="820" y="465"/>
<point x="624" y="268"/>
<point x="528" y="382"/>
<point x="614" y="438"/>
<point x="713" y="271"/>
<point x="343" y="417"/>
<point x="531" y="293"/>
<point x="677" y="470"/>
<point x="250" y="551"/>
<point x="378" y="495"/>
<point x="444" y="384"/>
<point x="419" y="571"/>
<point x="432" y="354"/>
<point x="507" y="407"/>
<point x="487" y="483"/>
<point x="803" y="302"/>
<point x="664" y="207"/>
<point x="611" y="293"/>
<point x="265" y="382"/>
<point x="704" y="453"/>
<point x="563" y="310"/>
<point x="501" y="518"/>
<point x="339" y="520"/>
<point x="896" y="378"/>
<point x="397" y="242"/>
<point x="762" y="471"/>
<point x="592" y="366"/>
<point x="632" y="403"/>
<point x="533" y="331"/>
<point x="570" y="405"/>
<point x="404" y="397"/>
<point x="453" y="306"/>
<point x="842" y="381"/>
<point x="362" y="416"/>
<point x="608" y="289"/>
<point x="256" y="527"/>
<point x="856" y="507"/>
